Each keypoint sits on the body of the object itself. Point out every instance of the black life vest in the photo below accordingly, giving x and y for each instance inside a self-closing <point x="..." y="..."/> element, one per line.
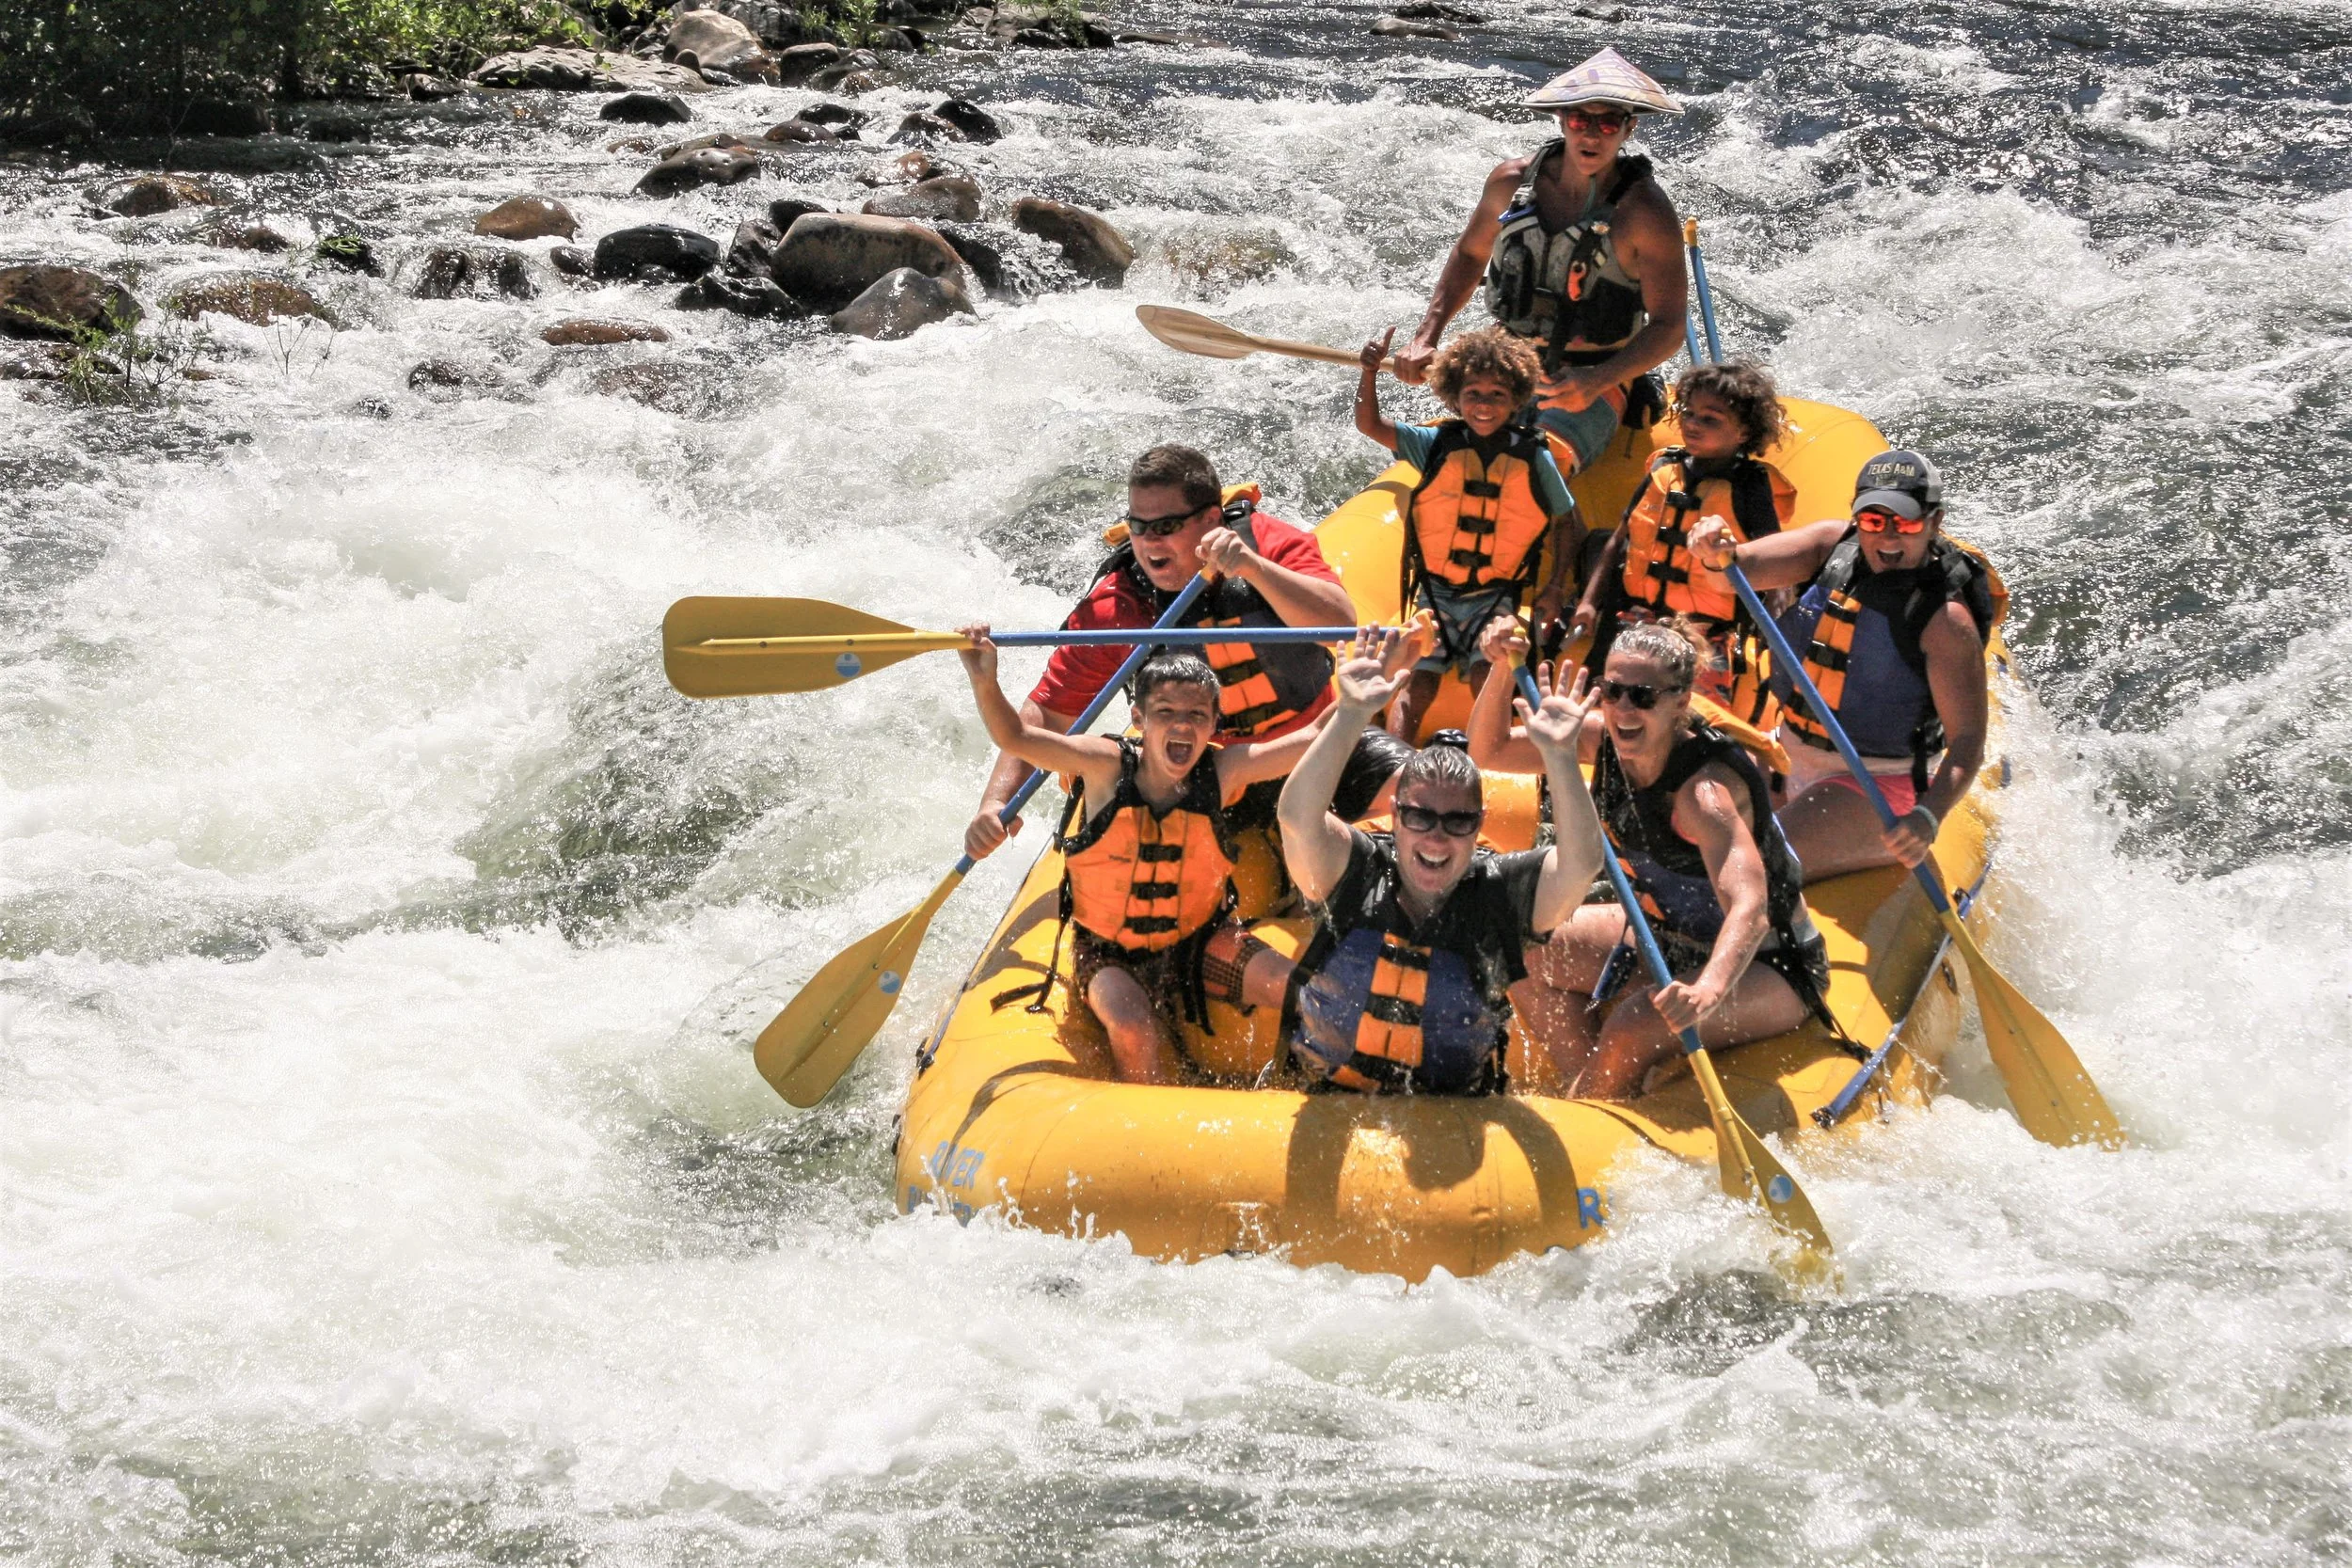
<point x="1567" y="287"/>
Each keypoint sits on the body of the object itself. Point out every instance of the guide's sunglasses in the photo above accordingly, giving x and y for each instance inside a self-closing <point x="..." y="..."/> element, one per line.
<point x="1642" y="697"/>
<point x="1456" y="824"/>
<point x="1875" y="521"/>
<point x="1159" y="527"/>
<point x="1607" y="123"/>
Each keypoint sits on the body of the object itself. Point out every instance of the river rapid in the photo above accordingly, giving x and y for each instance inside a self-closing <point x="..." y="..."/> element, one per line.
<point x="383" y="1173"/>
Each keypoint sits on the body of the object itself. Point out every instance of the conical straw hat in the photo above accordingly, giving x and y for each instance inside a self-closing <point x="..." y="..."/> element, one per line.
<point x="1607" y="77"/>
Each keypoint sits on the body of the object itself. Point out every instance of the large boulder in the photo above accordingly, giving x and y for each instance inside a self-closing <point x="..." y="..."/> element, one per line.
<point x="745" y="296"/>
<point x="54" y="302"/>
<point x="244" y="233"/>
<point x="349" y="252"/>
<point x="648" y="108"/>
<point x="475" y="272"/>
<point x="1009" y="263"/>
<point x="1093" y="249"/>
<point x="830" y="259"/>
<point x="656" y="250"/>
<point x="668" y="385"/>
<point x="144" y="196"/>
<point x="555" y="70"/>
<point x="785" y="210"/>
<point x="752" y="252"/>
<point x="719" y="42"/>
<point x="803" y="60"/>
<point x="839" y="117"/>
<point x="948" y="198"/>
<point x="527" y="218"/>
<point x="255" y="298"/>
<point x="798" y="130"/>
<point x="899" y="303"/>
<point x="585" y="331"/>
<point x="705" y="166"/>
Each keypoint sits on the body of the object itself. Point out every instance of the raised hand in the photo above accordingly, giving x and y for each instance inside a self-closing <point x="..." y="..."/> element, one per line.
<point x="1557" y="723"/>
<point x="1503" y="641"/>
<point x="979" y="659"/>
<point x="1377" y="349"/>
<point x="1366" y="686"/>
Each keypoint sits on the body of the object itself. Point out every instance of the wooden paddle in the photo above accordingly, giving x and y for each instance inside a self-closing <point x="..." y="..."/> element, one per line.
<point x="756" y="647"/>
<point x="1194" y="333"/>
<point x="1744" y="1166"/>
<point x="2053" y="1095"/>
<point x="807" y="1047"/>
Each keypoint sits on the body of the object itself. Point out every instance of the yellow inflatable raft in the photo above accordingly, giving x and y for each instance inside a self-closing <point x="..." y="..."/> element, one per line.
<point x="1013" y="1109"/>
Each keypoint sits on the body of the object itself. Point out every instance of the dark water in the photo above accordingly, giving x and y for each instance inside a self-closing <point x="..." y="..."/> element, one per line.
<point x="383" y="1178"/>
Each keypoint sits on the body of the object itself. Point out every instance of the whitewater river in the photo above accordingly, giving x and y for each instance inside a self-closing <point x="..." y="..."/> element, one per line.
<point x="383" y="1173"/>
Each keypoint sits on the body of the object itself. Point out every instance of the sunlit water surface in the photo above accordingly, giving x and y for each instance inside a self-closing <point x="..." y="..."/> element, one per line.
<point x="383" y="1176"/>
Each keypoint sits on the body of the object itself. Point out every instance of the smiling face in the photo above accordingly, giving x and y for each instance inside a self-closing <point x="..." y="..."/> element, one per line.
<point x="1593" y="133"/>
<point x="1178" y="720"/>
<point x="1890" y="551"/>
<point x="1168" y="560"/>
<point x="1640" y="735"/>
<point x="1710" y="431"/>
<point x="1431" y="860"/>
<point x="1485" y="405"/>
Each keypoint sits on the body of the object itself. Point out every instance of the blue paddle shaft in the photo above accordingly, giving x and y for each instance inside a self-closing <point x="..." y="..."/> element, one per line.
<point x="1103" y="699"/>
<point x="1184" y="637"/>
<point x="1812" y="694"/>
<point x="1635" y="921"/>
<point x="1707" y="304"/>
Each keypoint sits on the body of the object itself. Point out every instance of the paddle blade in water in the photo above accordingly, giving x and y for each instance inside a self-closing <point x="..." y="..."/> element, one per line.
<point x="736" y="669"/>
<point x="810" y="1044"/>
<point x="2052" y="1094"/>
<point x="1194" y="333"/>
<point x="1748" y="1170"/>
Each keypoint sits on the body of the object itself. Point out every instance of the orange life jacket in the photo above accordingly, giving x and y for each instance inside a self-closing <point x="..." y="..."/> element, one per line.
<point x="1149" y="880"/>
<point x="1476" y="520"/>
<point x="1752" y="498"/>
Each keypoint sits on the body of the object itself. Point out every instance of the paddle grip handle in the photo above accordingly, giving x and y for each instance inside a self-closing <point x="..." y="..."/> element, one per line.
<point x="1635" y="920"/>
<point x="1179" y="637"/>
<point x="1706" y="292"/>
<point x="1103" y="699"/>
<point x="1786" y="658"/>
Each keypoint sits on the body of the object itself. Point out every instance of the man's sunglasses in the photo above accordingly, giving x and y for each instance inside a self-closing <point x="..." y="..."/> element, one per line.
<point x="1643" y="697"/>
<point x="1875" y="521"/>
<point x="1457" y="824"/>
<point x="1160" y="528"/>
<point x="1608" y="123"/>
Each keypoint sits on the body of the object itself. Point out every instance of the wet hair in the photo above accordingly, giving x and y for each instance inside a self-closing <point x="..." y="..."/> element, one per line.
<point x="1171" y="669"/>
<point x="1489" y="354"/>
<point x="1180" y="468"/>
<point x="1747" y="388"/>
<point x="1677" y="644"/>
<point x="1444" y="763"/>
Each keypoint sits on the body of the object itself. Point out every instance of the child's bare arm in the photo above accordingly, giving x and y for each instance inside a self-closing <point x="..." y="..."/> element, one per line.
<point x="1369" y="419"/>
<point x="1094" y="757"/>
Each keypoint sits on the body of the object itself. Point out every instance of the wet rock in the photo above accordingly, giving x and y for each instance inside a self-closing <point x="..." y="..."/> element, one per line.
<point x="474" y="272"/>
<point x="1039" y="38"/>
<point x="1009" y="263"/>
<point x="894" y="41"/>
<point x="448" y="380"/>
<point x="1601" y="13"/>
<point x="648" y="108"/>
<point x="716" y="138"/>
<point x="922" y="126"/>
<point x="1397" y="27"/>
<point x="255" y="298"/>
<point x="1432" y="10"/>
<point x="800" y="130"/>
<point x="146" y="195"/>
<point x="1223" y="255"/>
<point x="527" y="218"/>
<point x="245" y="234"/>
<point x="656" y="250"/>
<point x="707" y="165"/>
<point x="906" y="168"/>
<point x="555" y="70"/>
<point x="898" y="304"/>
<point x="572" y="262"/>
<point x="630" y="144"/>
<point x="336" y="129"/>
<point x="752" y="252"/>
<point x="373" y="408"/>
<point x="664" y="384"/>
<point x="949" y="199"/>
<point x="350" y="252"/>
<point x="39" y="362"/>
<point x="215" y="117"/>
<point x="1097" y="251"/>
<point x="853" y="73"/>
<point x="1165" y="40"/>
<point x="584" y="331"/>
<point x="803" y="61"/>
<point x="51" y="302"/>
<point x="968" y="119"/>
<point x="426" y="88"/>
<point x="830" y="259"/>
<point x="759" y="297"/>
<point x="834" y="115"/>
<point x="784" y="209"/>
<point x="720" y="42"/>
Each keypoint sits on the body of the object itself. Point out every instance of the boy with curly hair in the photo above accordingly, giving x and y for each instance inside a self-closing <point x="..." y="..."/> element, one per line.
<point x="1492" y="505"/>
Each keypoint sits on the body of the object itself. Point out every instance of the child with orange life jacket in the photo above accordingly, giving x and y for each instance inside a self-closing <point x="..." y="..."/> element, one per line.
<point x="1491" y="501"/>
<point x="1728" y="415"/>
<point x="1149" y="860"/>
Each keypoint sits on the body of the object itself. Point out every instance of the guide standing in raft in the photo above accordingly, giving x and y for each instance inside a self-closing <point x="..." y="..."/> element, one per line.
<point x="1580" y="251"/>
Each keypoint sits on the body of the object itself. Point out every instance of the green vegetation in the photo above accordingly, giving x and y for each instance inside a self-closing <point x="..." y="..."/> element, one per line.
<point x="119" y="363"/>
<point x="129" y="63"/>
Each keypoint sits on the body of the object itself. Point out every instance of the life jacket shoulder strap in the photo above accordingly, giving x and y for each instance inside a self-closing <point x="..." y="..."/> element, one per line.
<point x="1756" y="489"/>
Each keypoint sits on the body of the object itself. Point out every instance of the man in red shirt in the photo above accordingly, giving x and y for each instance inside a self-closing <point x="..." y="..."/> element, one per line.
<point x="1267" y="572"/>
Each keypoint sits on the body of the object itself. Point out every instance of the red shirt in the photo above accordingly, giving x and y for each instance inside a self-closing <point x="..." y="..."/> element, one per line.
<point x="1074" y="677"/>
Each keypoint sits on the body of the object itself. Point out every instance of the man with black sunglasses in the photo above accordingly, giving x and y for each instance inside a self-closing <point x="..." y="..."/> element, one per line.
<point x="1180" y="522"/>
<point x="1893" y="620"/>
<point x="1582" y="252"/>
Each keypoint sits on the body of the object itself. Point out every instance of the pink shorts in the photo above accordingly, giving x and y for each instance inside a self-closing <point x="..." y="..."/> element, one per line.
<point x="1902" y="797"/>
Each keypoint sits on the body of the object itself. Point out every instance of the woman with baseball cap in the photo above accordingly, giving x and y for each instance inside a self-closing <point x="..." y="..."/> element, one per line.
<point x="1580" y="252"/>
<point x="1893" y="621"/>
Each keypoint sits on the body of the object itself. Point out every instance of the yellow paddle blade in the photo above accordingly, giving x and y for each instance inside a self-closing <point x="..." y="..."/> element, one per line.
<point x="1194" y="333"/>
<point x="2053" y="1096"/>
<point x="807" y="1047"/>
<point x="1749" y="1171"/>
<point x="753" y="647"/>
